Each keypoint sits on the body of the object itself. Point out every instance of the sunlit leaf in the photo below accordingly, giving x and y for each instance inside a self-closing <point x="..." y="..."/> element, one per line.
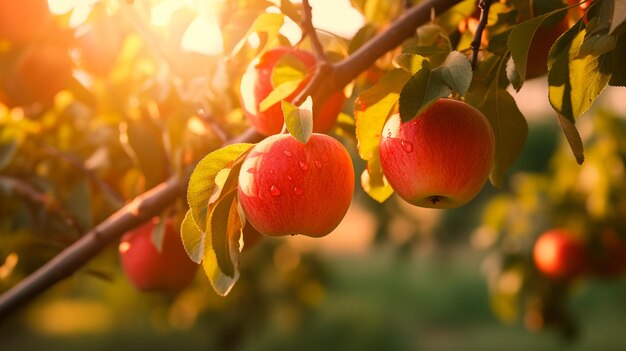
<point x="288" y="68"/>
<point x="279" y="93"/>
<point x="299" y="121"/>
<point x="268" y="23"/>
<point x="202" y="185"/>
<point x="410" y="62"/>
<point x="158" y="235"/>
<point x="221" y="251"/>
<point x="193" y="238"/>
<point x="372" y="108"/>
<point x="374" y="182"/>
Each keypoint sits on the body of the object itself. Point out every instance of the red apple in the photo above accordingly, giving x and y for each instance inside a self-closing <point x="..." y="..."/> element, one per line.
<point x="256" y="85"/>
<point x="150" y="270"/>
<point x="38" y="74"/>
<point x="544" y="38"/>
<point x="441" y="158"/>
<point x="287" y="187"/>
<point x="558" y="254"/>
<point x="609" y="259"/>
<point x="99" y="45"/>
<point x="23" y="20"/>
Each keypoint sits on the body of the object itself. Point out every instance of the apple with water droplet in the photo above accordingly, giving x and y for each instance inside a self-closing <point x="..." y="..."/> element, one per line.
<point x="256" y="85"/>
<point x="441" y="158"/>
<point x="170" y="270"/>
<point x="559" y="254"/>
<point x="287" y="187"/>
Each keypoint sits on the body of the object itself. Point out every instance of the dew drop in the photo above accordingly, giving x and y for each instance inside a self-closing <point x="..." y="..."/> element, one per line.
<point x="251" y="170"/>
<point x="304" y="166"/>
<point x="274" y="190"/>
<point x="287" y="153"/>
<point x="318" y="164"/>
<point x="406" y="146"/>
<point x="289" y="177"/>
<point x="297" y="190"/>
<point x="271" y="171"/>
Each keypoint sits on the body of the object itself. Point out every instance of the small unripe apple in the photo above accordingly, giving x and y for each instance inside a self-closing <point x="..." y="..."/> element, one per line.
<point x="441" y="158"/>
<point x="287" y="187"/>
<point x="38" y="74"/>
<point x="170" y="270"/>
<point x="609" y="259"/>
<point x="559" y="254"/>
<point x="256" y="85"/>
<point x="23" y="20"/>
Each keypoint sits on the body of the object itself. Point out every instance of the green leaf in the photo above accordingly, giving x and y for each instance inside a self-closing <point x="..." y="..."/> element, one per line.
<point x="225" y="229"/>
<point x="374" y="182"/>
<point x="202" y="183"/>
<point x="288" y="68"/>
<point x="279" y="93"/>
<point x="143" y="142"/>
<point x="588" y="75"/>
<point x="372" y="108"/>
<point x="268" y="23"/>
<point x="573" y="138"/>
<point x="158" y="235"/>
<point x="221" y="251"/>
<point x="424" y="88"/>
<point x="519" y="43"/>
<point x="193" y="238"/>
<point x="456" y="71"/>
<point x="299" y="121"/>
<point x="597" y="45"/>
<point x="619" y="15"/>
<point x="290" y="10"/>
<point x="509" y="127"/>
<point x="410" y="62"/>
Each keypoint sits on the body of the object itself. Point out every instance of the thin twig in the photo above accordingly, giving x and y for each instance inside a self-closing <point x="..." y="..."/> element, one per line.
<point x="308" y="29"/>
<point x="484" y="6"/>
<point x="115" y="199"/>
<point x="49" y="203"/>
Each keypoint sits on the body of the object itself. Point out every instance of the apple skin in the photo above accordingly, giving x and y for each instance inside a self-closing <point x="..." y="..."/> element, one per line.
<point x="286" y="187"/>
<point x="559" y="255"/>
<point x="38" y="74"/>
<point x="149" y="270"/>
<point x="256" y="85"/>
<point x="537" y="64"/>
<point x="22" y="21"/>
<point x="441" y="158"/>
<point x="609" y="261"/>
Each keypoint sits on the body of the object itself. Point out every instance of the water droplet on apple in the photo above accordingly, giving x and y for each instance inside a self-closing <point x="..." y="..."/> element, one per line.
<point x="297" y="190"/>
<point x="289" y="177"/>
<point x="274" y="190"/>
<point x="406" y="146"/>
<point x="318" y="164"/>
<point x="287" y="153"/>
<point x="251" y="170"/>
<point x="304" y="166"/>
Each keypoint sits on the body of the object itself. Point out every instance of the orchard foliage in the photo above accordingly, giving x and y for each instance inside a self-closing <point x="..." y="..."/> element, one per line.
<point x="100" y="103"/>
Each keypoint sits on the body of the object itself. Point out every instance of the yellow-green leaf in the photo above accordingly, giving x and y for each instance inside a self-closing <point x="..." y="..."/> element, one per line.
<point x="192" y="237"/>
<point x="374" y="182"/>
<point x="372" y="108"/>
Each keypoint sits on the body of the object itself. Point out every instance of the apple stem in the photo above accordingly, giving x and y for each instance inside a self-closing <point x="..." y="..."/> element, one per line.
<point x="484" y="6"/>
<point x="435" y="199"/>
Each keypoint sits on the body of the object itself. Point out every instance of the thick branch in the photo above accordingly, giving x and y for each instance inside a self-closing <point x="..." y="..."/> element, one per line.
<point x="308" y="29"/>
<point x="159" y="198"/>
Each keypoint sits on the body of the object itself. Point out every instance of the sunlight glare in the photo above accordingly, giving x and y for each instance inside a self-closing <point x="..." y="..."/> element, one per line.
<point x="203" y="36"/>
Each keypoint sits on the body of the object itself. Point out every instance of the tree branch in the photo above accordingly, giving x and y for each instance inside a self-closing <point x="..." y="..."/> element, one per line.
<point x="327" y="81"/>
<point x="484" y="6"/>
<point x="308" y="29"/>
